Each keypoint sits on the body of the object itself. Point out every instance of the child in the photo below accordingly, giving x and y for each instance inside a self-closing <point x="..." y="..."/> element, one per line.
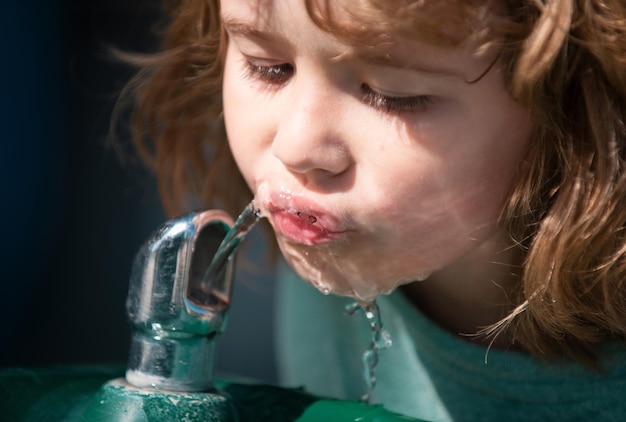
<point x="461" y="161"/>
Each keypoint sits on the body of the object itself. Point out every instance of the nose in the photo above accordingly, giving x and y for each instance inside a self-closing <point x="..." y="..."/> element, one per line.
<point x="310" y="139"/>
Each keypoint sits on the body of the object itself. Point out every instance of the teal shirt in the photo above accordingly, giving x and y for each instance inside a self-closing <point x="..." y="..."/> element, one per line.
<point x="429" y="373"/>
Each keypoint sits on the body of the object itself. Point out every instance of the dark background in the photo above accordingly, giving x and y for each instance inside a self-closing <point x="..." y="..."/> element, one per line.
<point x="73" y="213"/>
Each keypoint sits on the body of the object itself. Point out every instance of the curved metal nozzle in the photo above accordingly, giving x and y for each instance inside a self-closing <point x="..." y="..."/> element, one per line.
<point x="175" y="317"/>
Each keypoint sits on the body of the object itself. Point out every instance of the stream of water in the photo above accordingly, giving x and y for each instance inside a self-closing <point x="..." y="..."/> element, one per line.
<point x="244" y="223"/>
<point x="380" y="338"/>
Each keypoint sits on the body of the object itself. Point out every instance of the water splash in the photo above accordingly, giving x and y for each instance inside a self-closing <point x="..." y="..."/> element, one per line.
<point x="380" y="339"/>
<point x="244" y="223"/>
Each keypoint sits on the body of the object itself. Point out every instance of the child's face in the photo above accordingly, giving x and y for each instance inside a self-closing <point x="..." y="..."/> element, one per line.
<point x="375" y="166"/>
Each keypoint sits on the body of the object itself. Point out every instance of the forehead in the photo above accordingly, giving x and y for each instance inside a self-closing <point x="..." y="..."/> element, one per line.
<point x="284" y="24"/>
<point x="446" y="21"/>
<point x="376" y="35"/>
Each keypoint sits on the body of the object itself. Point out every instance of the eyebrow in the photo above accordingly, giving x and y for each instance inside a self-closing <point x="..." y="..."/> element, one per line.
<point x="386" y="60"/>
<point x="237" y="27"/>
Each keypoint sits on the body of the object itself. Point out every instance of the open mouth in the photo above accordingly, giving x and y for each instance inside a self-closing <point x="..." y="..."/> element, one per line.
<point x="298" y="219"/>
<point x="308" y="218"/>
<point x="302" y="227"/>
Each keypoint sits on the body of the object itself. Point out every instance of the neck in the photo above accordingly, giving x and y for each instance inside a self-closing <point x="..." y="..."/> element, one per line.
<point x="474" y="293"/>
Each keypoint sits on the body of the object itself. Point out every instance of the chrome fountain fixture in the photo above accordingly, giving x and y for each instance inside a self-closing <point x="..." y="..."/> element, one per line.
<point x="176" y="318"/>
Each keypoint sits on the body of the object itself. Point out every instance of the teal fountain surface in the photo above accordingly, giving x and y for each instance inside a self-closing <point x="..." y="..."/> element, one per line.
<point x="178" y="299"/>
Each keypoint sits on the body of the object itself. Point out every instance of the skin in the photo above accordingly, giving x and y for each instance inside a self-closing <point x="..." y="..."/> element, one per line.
<point x="402" y="189"/>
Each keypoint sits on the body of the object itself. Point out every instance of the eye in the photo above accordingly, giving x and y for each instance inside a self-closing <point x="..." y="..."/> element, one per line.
<point x="391" y="104"/>
<point x="274" y="75"/>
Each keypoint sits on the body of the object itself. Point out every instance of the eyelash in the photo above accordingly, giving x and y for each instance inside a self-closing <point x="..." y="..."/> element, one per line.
<point x="279" y="74"/>
<point x="390" y="104"/>
<point x="273" y="75"/>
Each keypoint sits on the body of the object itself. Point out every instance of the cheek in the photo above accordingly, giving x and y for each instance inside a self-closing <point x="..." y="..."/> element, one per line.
<point x="444" y="198"/>
<point x="238" y="120"/>
<point x="250" y="121"/>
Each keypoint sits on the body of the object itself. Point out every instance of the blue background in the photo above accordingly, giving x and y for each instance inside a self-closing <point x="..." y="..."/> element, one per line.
<point x="73" y="216"/>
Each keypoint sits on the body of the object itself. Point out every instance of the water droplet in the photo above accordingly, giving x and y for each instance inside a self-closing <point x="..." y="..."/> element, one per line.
<point x="384" y="341"/>
<point x="351" y="308"/>
<point x="380" y="339"/>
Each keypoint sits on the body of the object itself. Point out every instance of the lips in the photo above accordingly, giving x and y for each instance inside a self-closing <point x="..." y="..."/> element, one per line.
<point x="301" y="221"/>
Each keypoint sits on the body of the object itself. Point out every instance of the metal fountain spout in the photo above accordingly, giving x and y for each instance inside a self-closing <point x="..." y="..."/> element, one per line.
<point x="178" y="300"/>
<point x="177" y="304"/>
<point x="176" y="317"/>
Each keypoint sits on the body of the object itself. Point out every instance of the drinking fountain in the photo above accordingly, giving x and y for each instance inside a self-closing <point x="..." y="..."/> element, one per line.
<point x="177" y="306"/>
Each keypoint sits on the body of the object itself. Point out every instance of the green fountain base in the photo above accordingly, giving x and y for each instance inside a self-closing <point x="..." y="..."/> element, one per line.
<point x="102" y="395"/>
<point x="118" y="401"/>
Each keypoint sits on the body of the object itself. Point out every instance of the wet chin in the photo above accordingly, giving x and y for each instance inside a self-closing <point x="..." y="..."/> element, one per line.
<point x="332" y="272"/>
